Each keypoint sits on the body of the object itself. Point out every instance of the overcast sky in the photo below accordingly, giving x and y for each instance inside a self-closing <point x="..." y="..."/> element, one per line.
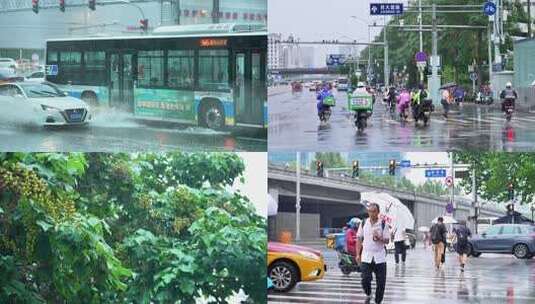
<point x="255" y="186"/>
<point x="319" y="19"/>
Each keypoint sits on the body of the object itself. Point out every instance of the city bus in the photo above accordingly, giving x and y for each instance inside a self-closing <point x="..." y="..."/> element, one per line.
<point x="213" y="75"/>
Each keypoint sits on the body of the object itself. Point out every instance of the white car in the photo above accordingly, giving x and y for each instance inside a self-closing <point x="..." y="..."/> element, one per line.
<point x="41" y="103"/>
<point x="8" y="63"/>
<point x="38" y="76"/>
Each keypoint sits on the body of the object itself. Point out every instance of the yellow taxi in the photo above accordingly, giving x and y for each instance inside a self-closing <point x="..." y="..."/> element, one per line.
<point x="290" y="264"/>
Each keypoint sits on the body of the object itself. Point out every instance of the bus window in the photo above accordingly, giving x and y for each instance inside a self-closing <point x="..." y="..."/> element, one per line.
<point x="71" y="66"/>
<point x="150" y="67"/>
<point x="213" y="70"/>
<point x="52" y="57"/>
<point x="180" y="69"/>
<point x="95" y="68"/>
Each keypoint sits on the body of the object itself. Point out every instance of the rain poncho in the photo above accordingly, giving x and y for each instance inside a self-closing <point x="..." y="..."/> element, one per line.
<point x="404" y="99"/>
<point x="321" y="96"/>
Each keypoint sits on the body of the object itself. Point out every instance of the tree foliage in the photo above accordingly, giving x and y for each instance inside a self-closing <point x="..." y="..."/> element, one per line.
<point x="457" y="48"/>
<point x="116" y="228"/>
<point x="494" y="171"/>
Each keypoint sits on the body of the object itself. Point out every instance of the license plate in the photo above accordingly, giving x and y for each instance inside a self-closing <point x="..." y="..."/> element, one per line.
<point x="75" y="116"/>
<point x="426" y="113"/>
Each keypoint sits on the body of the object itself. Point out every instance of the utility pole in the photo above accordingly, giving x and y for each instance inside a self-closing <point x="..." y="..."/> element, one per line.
<point x="474" y="191"/>
<point x="489" y="38"/>
<point x="386" y="70"/>
<point x="298" y="199"/>
<point x="529" y="19"/>
<point x="452" y="194"/>
<point x="435" y="80"/>
<point x="421" y="37"/>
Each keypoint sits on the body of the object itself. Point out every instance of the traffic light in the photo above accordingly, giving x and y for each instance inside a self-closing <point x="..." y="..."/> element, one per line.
<point x="319" y="168"/>
<point x="392" y="167"/>
<point x="92" y="4"/>
<point x="144" y="24"/>
<point x="35" y="6"/>
<point x="511" y="190"/>
<point x="355" y="168"/>
<point x="62" y="5"/>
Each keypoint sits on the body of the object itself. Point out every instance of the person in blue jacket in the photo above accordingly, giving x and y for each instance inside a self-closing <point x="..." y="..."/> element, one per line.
<point x="322" y="94"/>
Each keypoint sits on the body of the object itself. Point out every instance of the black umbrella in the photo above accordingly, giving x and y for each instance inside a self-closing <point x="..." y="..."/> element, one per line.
<point x="448" y="85"/>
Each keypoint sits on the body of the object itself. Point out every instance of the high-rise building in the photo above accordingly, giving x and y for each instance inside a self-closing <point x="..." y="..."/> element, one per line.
<point x="274" y="51"/>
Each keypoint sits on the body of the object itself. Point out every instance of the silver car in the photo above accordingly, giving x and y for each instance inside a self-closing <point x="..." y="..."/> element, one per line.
<point x="41" y="103"/>
<point x="516" y="239"/>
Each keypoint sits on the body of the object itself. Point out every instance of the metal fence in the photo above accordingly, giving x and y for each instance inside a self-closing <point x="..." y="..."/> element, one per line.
<point x="526" y="98"/>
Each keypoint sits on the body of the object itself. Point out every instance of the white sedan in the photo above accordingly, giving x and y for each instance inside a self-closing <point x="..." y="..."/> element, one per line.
<point x="41" y="103"/>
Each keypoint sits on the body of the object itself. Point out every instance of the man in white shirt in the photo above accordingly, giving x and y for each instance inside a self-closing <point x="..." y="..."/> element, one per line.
<point x="399" y="243"/>
<point x="372" y="236"/>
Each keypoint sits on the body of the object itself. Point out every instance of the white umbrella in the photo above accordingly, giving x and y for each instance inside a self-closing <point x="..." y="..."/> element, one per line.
<point x="423" y="229"/>
<point x="273" y="206"/>
<point x="392" y="209"/>
<point x="447" y="220"/>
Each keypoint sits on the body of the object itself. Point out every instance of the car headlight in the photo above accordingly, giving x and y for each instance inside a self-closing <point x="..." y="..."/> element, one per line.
<point x="49" y="108"/>
<point x="309" y="255"/>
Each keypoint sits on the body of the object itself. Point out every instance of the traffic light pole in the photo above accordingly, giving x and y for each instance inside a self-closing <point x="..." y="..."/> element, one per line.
<point x="474" y="191"/>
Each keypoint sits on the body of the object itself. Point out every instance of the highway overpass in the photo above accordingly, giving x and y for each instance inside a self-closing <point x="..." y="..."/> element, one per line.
<point x="330" y="202"/>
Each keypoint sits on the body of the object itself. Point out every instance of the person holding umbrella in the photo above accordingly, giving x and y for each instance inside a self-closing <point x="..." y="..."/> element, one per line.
<point x="372" y="236"/>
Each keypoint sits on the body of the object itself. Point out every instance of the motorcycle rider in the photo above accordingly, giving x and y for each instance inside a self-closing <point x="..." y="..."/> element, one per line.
<point x="508" y="95"/>
<point x="322" y="94"/>
<point x="351" y="236"/>
<point x="403" y="100"/>
<point x="446" y="101"/>
<point x="419" y="96"/>
<point x="391" y="98"/>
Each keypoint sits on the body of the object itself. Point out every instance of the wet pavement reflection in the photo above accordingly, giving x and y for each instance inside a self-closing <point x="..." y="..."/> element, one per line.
<point x="120" y="132"/>
<point x="293" y="124"/>
<point x="491" y="278"/>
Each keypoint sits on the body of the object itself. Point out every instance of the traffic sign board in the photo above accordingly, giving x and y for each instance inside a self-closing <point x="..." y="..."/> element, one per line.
<point x="489" y="8"/>
<point x="405" y="164"/>
<point x="449" y="181"/>
<point x="335" y="59"/>
<point x="386" y="9"/>
<point x="473" y="76"/>
<point x="449" y="208"/>
<point x="51" y="70"/>
<point x="420" y="57"/>
<point x="435" y="173"/>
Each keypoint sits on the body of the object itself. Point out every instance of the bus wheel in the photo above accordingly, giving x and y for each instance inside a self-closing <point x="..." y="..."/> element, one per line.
<point x="212" y="116"/>
<point x="90" y="98"/>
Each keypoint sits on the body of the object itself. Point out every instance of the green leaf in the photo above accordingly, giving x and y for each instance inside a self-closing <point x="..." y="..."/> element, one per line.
<point x="44" y="225"/>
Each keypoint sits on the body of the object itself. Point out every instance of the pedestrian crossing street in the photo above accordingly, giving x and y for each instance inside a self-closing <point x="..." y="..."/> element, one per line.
<point x="414" y="282"/>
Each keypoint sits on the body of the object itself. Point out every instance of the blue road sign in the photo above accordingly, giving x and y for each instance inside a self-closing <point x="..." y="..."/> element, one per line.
<point x="335" y="60"/>
<point x="51" y="70"/>
<point x="489" y="8"/>
<point x="405" y="164"/>
<point x="435" y="173"/>
<point x="386" y="9"/>
<point x="449" y="208"/>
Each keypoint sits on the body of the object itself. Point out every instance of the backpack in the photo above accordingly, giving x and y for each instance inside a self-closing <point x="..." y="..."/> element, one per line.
<point x="436" y="236"/>
<point x="462" y="236"/>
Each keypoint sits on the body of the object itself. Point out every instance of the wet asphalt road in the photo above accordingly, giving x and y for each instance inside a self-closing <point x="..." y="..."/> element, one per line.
<point x="294" y="125"/>
<point x="119" y="132"/>
<point x="491" y="278"/>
